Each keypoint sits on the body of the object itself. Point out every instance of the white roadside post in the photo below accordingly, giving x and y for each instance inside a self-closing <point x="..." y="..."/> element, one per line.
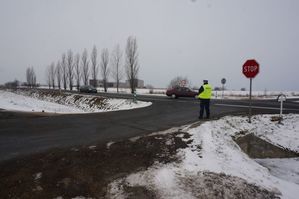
<point x="135" y="97"/>
<point x="281" y="98"/>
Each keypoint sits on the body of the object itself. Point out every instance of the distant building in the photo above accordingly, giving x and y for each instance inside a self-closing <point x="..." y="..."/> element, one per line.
<point x="139" y="83"/>
<point x="96" y="82"/>
<point x="99" y="83"/>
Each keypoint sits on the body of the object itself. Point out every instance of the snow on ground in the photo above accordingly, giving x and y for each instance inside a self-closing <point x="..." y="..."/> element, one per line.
<point x="125" y="104"/>
<point x="227" y="94"/>
<point x="287" y="168"/>
<point x="12" y="101"/>
<point x="285" y="134"/>
<point x="69" y="103"/>
<point x="213" y="150"/>
<point x="231" y="94"/>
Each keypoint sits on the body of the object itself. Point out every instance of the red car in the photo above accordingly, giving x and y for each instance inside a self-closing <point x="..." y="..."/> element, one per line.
<point x="180" y="92"/>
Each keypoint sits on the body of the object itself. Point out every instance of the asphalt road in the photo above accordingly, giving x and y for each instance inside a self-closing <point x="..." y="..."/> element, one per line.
<point x="27" y="133"/>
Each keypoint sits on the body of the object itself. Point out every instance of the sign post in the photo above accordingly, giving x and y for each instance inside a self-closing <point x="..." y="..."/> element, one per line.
<point x="223" y="81"/>
<point x="250" y="102"/>
<point x="250" y="69"/>
<point x="281" y="98"/>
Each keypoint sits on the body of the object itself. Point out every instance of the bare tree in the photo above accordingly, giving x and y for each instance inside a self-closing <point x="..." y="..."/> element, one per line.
<point x="30" y="77"/>
<point x="52" y="74"/>
<point x="132" y="66"/>
<point x="48" y="76"/>
<point x="117" y="72"/>
<point x="77" y="70"/>
<point x="12" y="85"/>
<point x="33" y="78"/>
<point x="70" y="68"/>
<point x="64" y="70"/>
<point x="179" y="81"/>
<point x="94" y="65"/>
<point x="58" y="74"/>
<point x="104" y="67"/>
<point x="85" y="67"/>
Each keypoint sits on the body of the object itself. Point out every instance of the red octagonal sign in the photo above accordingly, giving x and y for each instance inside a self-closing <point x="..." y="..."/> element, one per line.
<point x="251" y="68"/>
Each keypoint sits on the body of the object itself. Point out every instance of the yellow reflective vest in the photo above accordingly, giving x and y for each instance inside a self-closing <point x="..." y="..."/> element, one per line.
<point x="207" y="92"/>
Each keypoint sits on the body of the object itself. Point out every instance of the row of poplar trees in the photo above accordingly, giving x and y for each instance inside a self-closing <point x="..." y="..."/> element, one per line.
<point x="72" y="70"/>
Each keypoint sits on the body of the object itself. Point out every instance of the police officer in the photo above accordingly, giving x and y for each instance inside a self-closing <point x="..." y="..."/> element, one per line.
<point x="204" y="95"/>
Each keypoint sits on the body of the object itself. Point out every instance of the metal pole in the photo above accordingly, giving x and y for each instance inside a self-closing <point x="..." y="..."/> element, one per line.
<point x="281" y="105"/>
<point x="250" y="103"/>
<point x="222" y="90"/>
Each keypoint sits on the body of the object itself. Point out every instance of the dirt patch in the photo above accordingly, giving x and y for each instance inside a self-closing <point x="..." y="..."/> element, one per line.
<point x="213" y="186"/>
<point x="277" y="119"/>
<point x="86" y="170"/>
<point x="98" y="102"/>
<point x="138" y="192"/>
<point x="258" y="148"/>
<point x="201" y="185"/>
<point x="77" y="97"/>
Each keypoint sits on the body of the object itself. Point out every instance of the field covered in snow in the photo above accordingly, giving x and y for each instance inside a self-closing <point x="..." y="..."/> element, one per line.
<point x="227" y="94"/>
<point x="55" y="102"/>
<point x="213" y="151"/>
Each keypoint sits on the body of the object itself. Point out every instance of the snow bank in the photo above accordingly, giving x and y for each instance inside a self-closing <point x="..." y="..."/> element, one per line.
<point x="213" y="150"/>
<point x="284" y="135"/>
<point x="15" y="102"/>
<point x="54" y="101"/>
<point x="221" y="154"/>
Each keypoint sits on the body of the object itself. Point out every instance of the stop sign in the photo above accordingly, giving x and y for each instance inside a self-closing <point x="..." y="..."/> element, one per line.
<point x="251" y="68"/>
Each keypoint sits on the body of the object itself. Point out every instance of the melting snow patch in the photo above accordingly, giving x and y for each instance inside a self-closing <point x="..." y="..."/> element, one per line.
<point x="109" y="144"/>
<point x="37" y="176"/>
<point x="92" y="147"/>
<point x="214" y="154"/>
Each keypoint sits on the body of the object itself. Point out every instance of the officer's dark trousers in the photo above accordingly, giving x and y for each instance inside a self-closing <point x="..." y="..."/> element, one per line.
<point x="204" y="105"/>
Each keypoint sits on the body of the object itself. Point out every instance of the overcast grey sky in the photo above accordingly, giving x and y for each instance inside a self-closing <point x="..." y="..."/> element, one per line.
<point x="203" y="39"/>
